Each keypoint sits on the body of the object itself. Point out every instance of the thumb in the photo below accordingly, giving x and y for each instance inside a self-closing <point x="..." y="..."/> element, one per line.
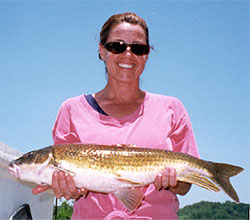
<point x="39" y="189"/>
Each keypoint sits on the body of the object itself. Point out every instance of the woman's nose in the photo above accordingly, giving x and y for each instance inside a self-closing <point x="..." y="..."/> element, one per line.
<point x="128" y="50"/>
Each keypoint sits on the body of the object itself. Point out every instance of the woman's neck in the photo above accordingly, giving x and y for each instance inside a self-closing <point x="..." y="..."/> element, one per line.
<point x="120" y="101"/>
<point x="120" y="93"/>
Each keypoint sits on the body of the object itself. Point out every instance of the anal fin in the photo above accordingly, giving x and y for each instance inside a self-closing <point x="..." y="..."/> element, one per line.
<point x="130" y="198"/>
<point x="195" y="178"/>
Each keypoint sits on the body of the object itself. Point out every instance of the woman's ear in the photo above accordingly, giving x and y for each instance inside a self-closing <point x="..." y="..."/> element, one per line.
<point x="146" y="56"/>
<point x="101" y="52"/>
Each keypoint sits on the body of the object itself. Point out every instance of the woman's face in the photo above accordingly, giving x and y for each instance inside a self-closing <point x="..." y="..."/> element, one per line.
<point x="125" y="67"/>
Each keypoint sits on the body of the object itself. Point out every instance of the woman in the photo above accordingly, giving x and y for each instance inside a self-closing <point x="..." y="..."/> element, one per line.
<point x="122" y="113"/>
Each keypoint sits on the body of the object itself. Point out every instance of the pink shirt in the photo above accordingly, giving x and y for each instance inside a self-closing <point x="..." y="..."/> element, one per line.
<point x="159" y="122"/>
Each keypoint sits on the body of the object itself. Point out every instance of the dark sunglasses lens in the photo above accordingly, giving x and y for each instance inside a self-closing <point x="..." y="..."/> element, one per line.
<point x="115" y="47"/>
<point x="139" y="49"/>
<point x="120" y="47"/>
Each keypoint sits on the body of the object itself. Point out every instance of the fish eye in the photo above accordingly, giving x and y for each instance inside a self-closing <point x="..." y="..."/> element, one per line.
<point x="29" y="157"/>
<point x="31" y="153"/>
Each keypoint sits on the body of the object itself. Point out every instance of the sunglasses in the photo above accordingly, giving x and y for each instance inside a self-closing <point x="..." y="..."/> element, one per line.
<point x="118" y="47"/>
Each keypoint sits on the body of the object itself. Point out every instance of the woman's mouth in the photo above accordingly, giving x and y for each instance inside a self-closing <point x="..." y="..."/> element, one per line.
<point x="126" y="66"/>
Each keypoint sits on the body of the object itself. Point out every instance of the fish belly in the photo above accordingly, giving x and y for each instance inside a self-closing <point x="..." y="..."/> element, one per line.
<point x="97" y="181"/>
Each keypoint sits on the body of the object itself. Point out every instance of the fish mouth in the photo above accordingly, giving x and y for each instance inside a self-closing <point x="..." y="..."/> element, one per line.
<point x="13" y="169"/>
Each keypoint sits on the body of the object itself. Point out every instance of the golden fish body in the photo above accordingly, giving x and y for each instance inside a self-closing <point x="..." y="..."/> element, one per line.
<point x="116" y="169"/>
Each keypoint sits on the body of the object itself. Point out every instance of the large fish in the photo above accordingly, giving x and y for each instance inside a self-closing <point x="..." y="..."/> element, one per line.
<point x="120" y="169"/>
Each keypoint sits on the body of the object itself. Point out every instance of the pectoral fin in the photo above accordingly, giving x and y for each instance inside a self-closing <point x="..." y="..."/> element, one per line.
<point x="59" y="168"/>
<point x="130" y="198"/>
<point x="195" y="178"/>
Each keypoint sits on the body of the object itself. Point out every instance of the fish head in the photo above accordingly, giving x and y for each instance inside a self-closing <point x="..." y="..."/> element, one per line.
<point x="32" y="166"/>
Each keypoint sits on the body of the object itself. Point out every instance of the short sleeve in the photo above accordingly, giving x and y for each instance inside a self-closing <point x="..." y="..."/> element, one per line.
<point x="63" y="130"/>
<point x="182" y="135"/>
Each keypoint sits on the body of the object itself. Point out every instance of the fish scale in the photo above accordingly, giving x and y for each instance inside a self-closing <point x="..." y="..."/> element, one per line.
<point x="111" y="159"/>
<point x="113" y="156"/>
<point x="121" y="169"/>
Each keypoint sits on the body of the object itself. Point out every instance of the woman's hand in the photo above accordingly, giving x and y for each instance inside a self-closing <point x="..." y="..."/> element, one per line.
<point x="63" y="186"/>
<point x="167" y="179"/>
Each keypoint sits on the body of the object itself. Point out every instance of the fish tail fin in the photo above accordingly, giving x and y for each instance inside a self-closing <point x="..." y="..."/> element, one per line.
<point x="221" y="176"/>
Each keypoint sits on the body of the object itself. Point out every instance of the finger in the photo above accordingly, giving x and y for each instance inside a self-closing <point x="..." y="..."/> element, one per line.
<point x="172" y="177"/>
<point x="84" y="192"/>
<point x="55" y="185"/>
<point x="165" y="177"/>
<point x="73" y="190"/>
<point x="157" y="182"/>
<point x="39" y="189"/>
<point x="63" y="186"/>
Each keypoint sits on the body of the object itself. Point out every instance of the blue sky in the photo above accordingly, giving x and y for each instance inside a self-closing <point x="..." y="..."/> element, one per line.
<point x="49" y="52"/>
